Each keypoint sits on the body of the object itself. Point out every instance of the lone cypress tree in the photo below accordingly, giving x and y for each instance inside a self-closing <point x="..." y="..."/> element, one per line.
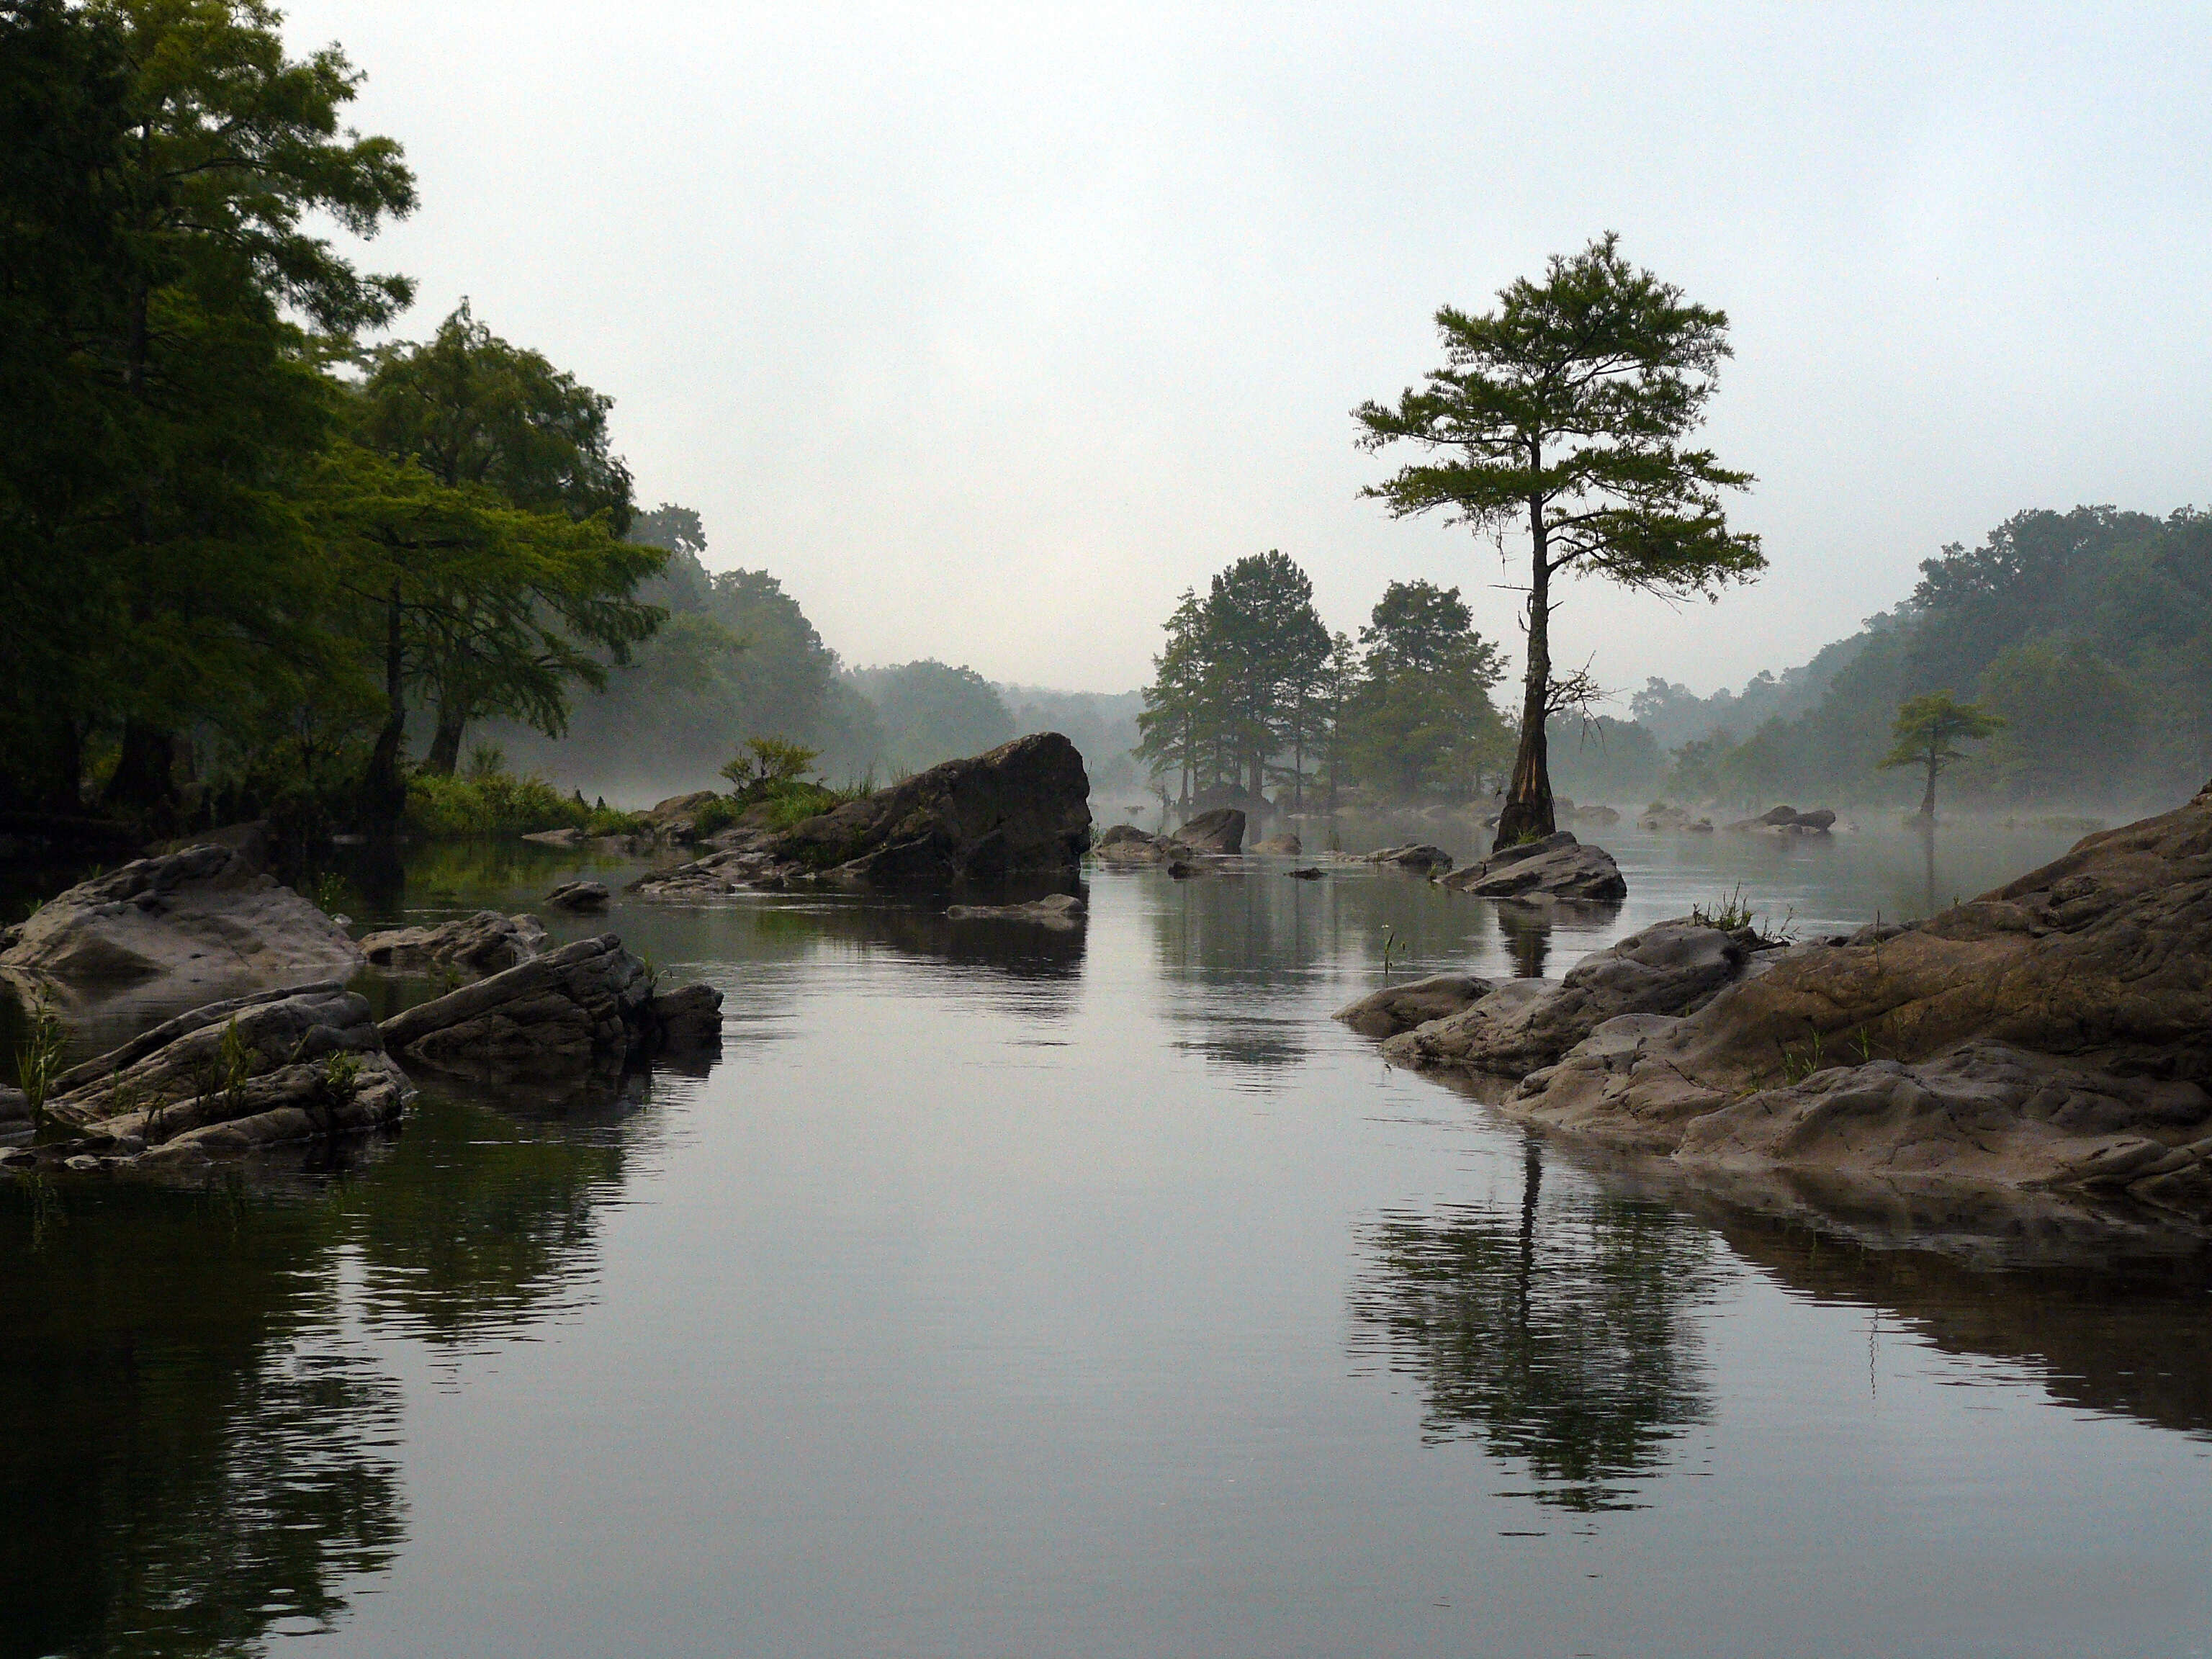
<point x="1928" y="729"/>
<point x="1565" y="408"/>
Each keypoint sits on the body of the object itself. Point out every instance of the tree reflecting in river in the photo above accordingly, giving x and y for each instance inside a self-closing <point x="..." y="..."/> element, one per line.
<point x="1561" y="1334"/>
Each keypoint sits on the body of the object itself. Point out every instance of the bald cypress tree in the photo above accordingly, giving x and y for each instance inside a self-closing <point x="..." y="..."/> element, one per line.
<point x="1563" y="413"/>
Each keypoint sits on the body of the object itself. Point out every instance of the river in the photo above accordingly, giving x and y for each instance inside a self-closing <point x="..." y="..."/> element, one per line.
<point x="1001" y="1292"/>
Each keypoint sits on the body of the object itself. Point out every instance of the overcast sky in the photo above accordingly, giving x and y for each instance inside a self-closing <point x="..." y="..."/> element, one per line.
<point x="990" y="331"/>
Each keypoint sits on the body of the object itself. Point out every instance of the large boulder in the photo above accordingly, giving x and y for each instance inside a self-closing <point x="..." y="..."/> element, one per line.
<point x="568" y="1011"/>
<point x="2056" y="1032"/>
<point x="1022" y="809"/>
<point x="1670" y="967"/>
<point x="232" y="1076"/>
<point x="1220" y="830"/>
<point x="204" y="917"/>
<point x="1400" y="1007"/>
<point x="484" y="942"/>
<point x="1127" y="844"/>
<point x="1556" y="866"/>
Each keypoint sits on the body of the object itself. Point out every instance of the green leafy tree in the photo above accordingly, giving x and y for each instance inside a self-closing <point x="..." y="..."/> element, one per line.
<point x="1928" y="729"/>
<point x="474" y="412"/>
<point x="933" y="712"/>
<point x="2071" y="726"/>
<point x="1420" y="720"/>
<point x="1564" y="412"/>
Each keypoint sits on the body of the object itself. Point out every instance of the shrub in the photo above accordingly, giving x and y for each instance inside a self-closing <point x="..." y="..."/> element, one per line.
<point x="500" y="804"/>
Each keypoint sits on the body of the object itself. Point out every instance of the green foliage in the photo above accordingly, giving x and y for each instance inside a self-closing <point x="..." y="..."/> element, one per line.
<point x="500" y="804"/>
<point x="1563" y="412"/>
<point x="38" y="1056"/>
<point x="1928" y="729"/>
<point x="765" y="762"/>
<point x="931" y="712"/>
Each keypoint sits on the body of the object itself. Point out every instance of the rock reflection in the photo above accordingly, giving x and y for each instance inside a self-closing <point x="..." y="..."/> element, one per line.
<point x="1561" y="1334"/>
<point x="194" y="1456"/>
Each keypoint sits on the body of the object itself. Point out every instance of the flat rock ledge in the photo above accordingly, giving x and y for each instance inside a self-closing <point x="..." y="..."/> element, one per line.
<point x="225" y="1080"/>
<point x="484" y="942"/>
<point x="568" y="1011"/>
<point x="1063" y="910"/>
<point x="1396" y="1008"/>
<point x="1022" y="809"/>
<point x="1414" y="855"/>
<point x="1556" y="867"/>
<point x="2053" y="1034"/>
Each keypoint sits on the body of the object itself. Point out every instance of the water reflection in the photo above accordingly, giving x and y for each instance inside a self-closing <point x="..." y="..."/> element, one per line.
<point x="194" y="1456"/>
<point x="1561" y="1334"/>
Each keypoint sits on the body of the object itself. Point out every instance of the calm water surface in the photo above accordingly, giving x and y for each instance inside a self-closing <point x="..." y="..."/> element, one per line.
<point x="998" y="1291"/>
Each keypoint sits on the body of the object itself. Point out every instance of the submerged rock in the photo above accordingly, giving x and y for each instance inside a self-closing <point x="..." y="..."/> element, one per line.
<point x="1414" y="855"/>
<point x="2056" y="1032"/>
<point x="1221" y="830"/>
<point x="205" y="915"/>
<point x="1023" y="808"/>
<point x="484" y="942"/>
<point x="1557" y="866"/>
<point x="1396" y="1008"/>
<point x="1668" y="968"/>
<point x="1054" y="910"/>
<point x="567" y="1011"/>
<point x="250" y="1072"/>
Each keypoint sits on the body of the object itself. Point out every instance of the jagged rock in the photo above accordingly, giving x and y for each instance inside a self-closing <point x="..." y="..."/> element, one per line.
<point x="1024" y="809"/>
<point x="2056" y="1030"/>
<point x="1282" y="846"/>
<point x="579" y="897"/>
<point x="1054" y="910"/>
<point x="1556" y="867"/>
<point x="203" y="916"/>
<point x="1396" y="1008"/>
<point x="686" y="1019"/>
<point x="1670" y="967"/>
<point x="1414" y="855"/>
<point x="557" y="1015"/>
<point x="677" y="817"/>
<point x="481" y="944"/>
<point x="1221" y="830"/>
<point x="250" y="1072"/>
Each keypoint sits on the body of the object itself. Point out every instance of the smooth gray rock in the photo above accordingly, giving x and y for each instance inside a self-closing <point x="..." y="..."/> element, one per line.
<point x="1396" y="1008"/>
<point x="1221" y="830"/>
<point x="484" y="942"/>
<point x="1282" y="846"/>
<point x="203" y="916"/>
<point x="1556" y="867"/>
<point x="685" y="1019"/>
<point x="579" y="898"/>
<point x="1414" y="855"/>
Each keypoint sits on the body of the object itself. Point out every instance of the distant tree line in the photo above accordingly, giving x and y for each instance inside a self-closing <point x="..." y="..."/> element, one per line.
<point x="1254" y="700"/>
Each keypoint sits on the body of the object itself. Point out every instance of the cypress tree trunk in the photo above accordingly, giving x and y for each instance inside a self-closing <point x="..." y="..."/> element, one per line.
<point x="383" y="791"/>
<point x="1529" y="800"/>
<point x="445" y="754"/>
<point x="143" y="782"/>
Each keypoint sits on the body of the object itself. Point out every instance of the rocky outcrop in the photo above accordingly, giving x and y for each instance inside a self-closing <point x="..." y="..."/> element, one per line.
<point x="686" y="1020"/>
<point x="1282" y="846"/>
<point x="1396" y="1008"/>
<point x="1054" y="910"/>
<point x="2055" y="1032"/>
<point x="1660" y="816"/>
<point x="1127" y="844"/>
<point x="1221" y="830"/>
<point x="579" y="898"/>
<point x="1022" y="809"/>
<point x="1669" y="969"/>
<point x="1418" y="856"/>
<point x="1789" y="821"/>
<point x="229" y="1078"/>
<point x="203" y="916"/>
<point x="484" y="942"/>
<point x="677" y="819"/>
<point x="1597" y="816"/>
<point x="1556" y="867"/>
<point x="580" y="1007"/>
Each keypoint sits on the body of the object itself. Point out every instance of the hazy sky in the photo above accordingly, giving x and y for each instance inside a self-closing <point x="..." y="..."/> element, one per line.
<point x="988" y="331"/>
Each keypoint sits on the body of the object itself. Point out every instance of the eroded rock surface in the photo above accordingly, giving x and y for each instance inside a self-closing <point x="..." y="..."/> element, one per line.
<point x="205" y="915"/>
<point x="484" y="942"/>
<point x="565" y="1012"/>
<point x="579" y="898"/>
<point x="250" y="1072"/>
<point x="1127" y="844"/>
<point x="1023" y="808"/>
<point x="1282" y="846"/>
<point x="1396" y="1008"/>
<point x="1221" y="830"/>
<point x="1414" y="855"/>
<point x="2056" y="1032"/>
<point x="1556" y="867"/>
<point x="1668" y="968"/>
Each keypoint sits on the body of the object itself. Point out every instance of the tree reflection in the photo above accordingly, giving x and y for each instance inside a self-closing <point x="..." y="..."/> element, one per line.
<point x="192" y="1454"/>
<point x="1559" y="1335"/>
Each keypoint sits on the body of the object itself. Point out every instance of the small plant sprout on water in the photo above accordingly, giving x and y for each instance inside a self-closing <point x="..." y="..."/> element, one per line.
<point x="1393" y="949"/>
